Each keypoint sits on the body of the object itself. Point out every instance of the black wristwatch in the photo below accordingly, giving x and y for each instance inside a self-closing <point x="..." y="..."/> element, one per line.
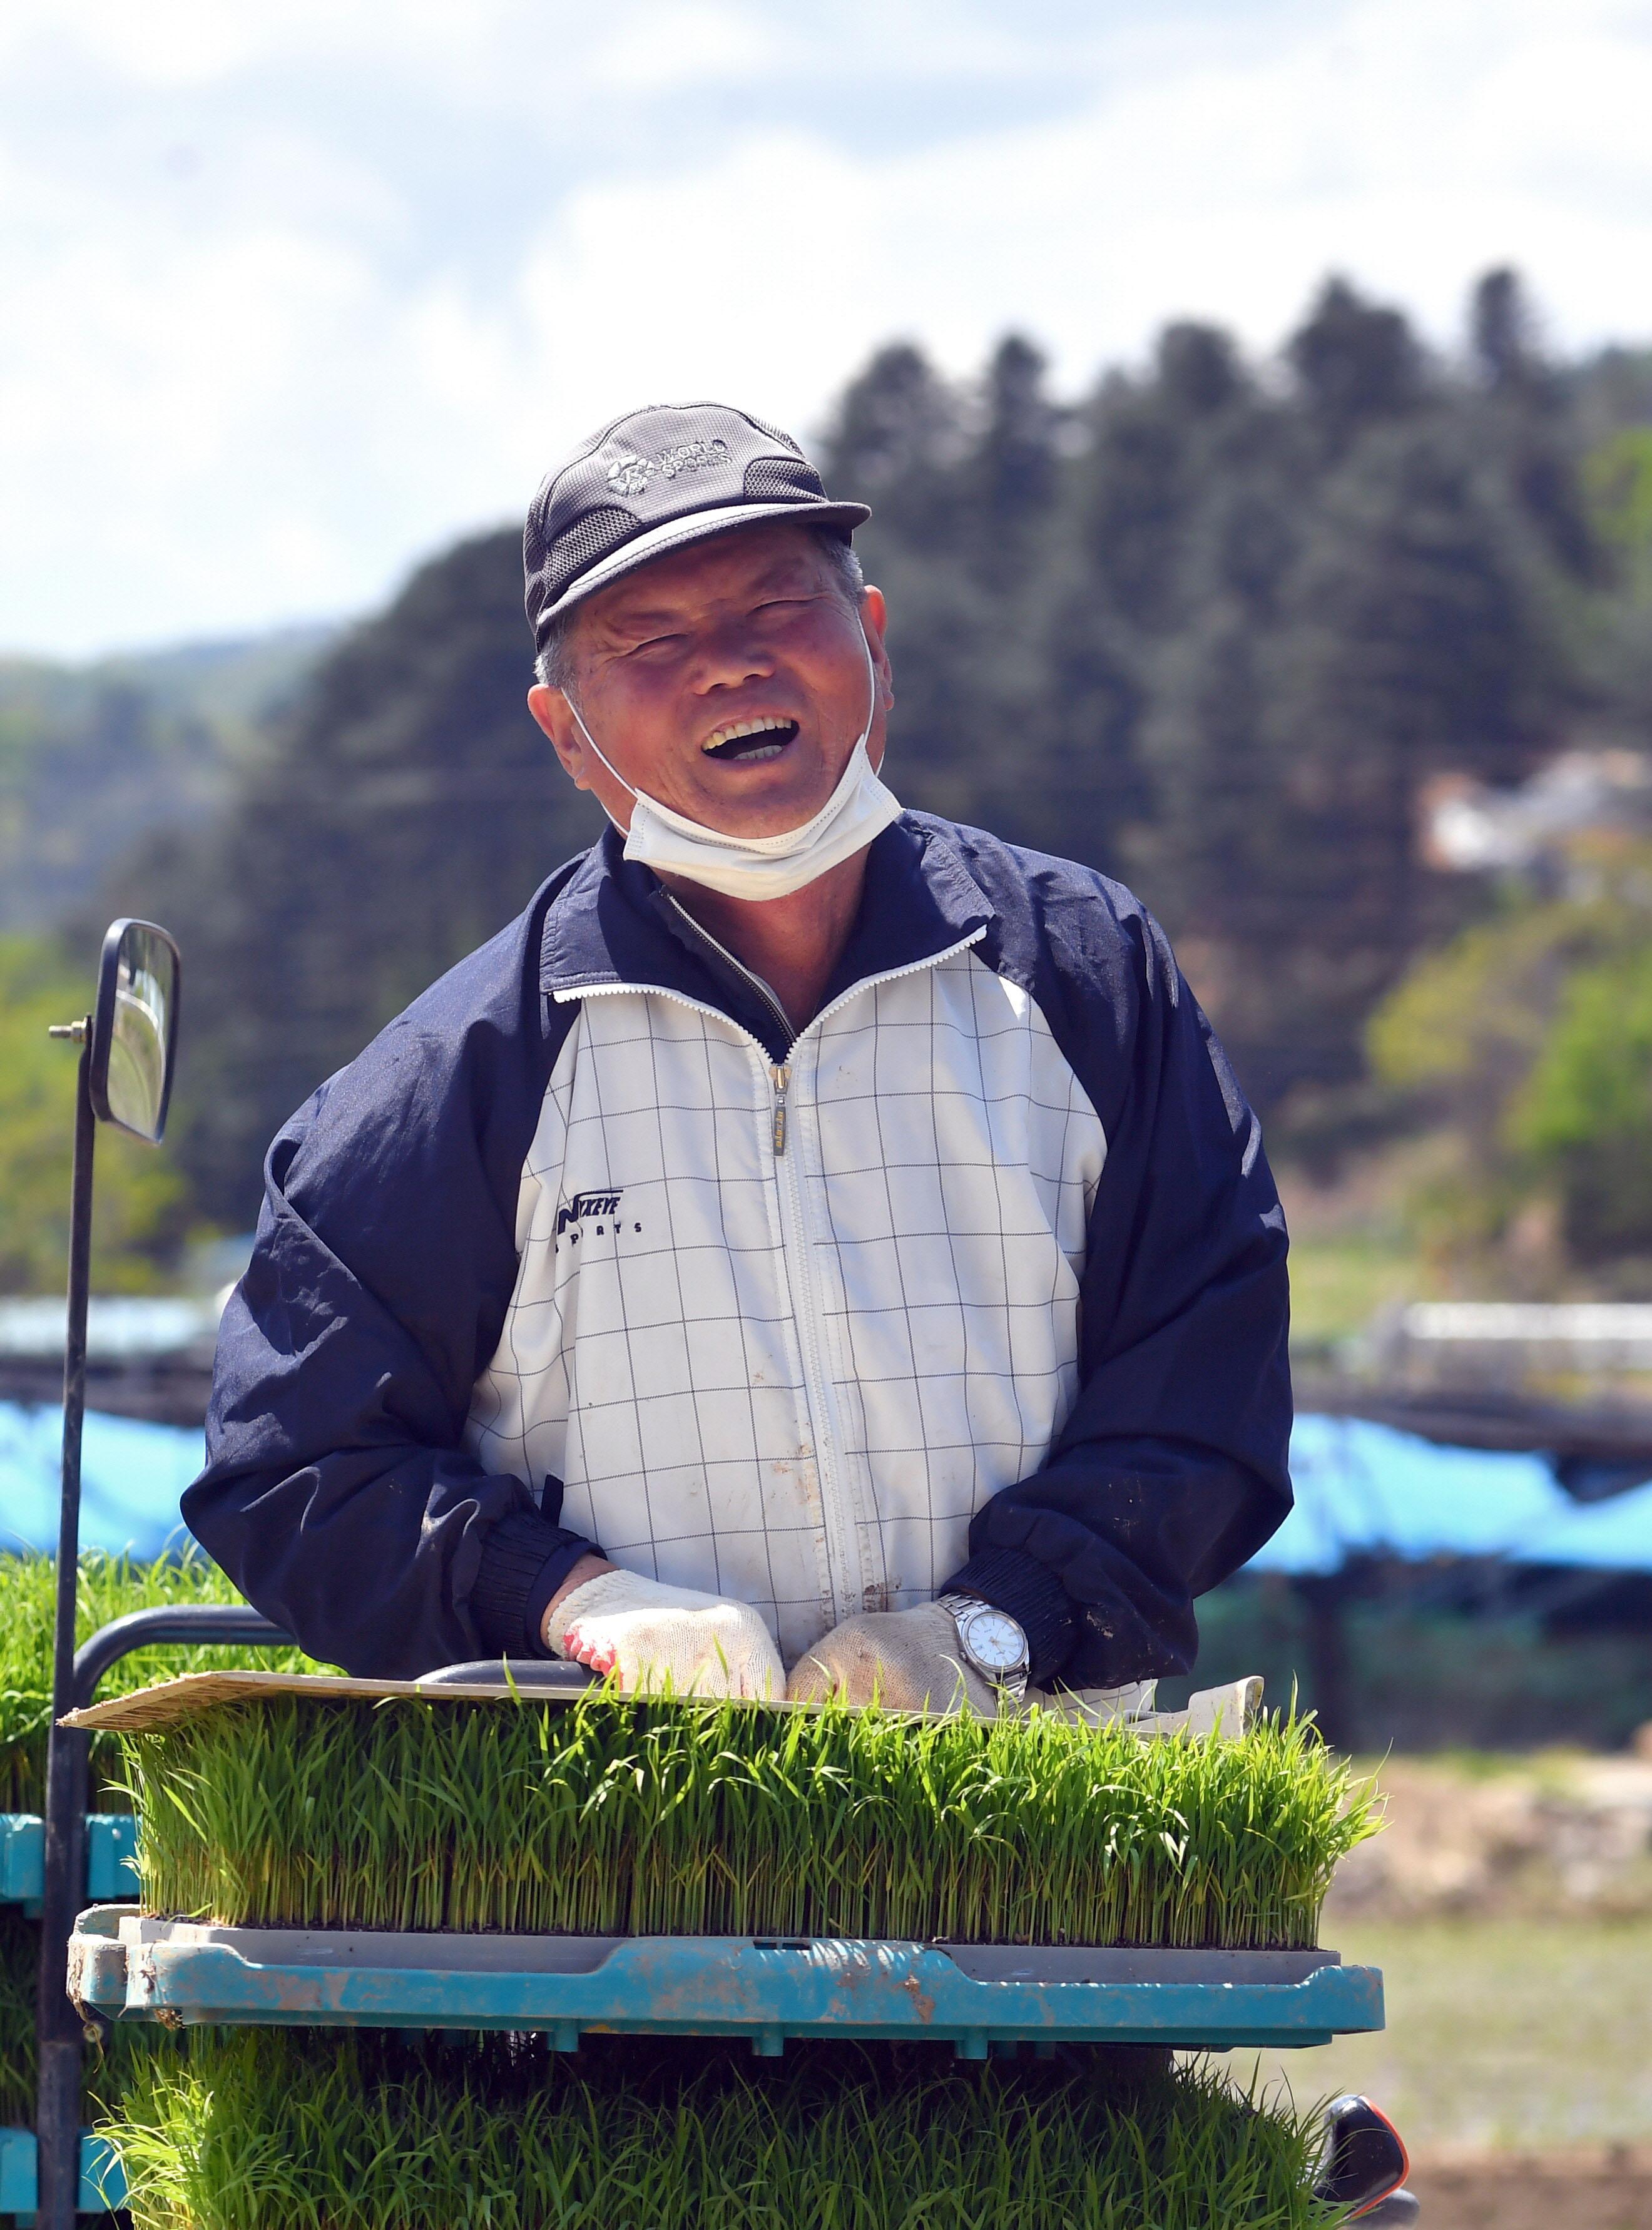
<point x="993" y="1644"/>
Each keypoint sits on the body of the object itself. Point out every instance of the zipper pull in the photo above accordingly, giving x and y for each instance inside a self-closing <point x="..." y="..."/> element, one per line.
<point x="781" y="1075"/>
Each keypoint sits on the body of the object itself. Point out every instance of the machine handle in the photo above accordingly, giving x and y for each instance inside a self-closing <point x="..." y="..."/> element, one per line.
<point x="540" y="1673"/>
<point x="195" y="1625"/>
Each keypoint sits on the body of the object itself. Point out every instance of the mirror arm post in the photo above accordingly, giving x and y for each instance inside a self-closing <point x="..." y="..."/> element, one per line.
<point x="58" y="2023"/>
<point x="58" y="2124"/>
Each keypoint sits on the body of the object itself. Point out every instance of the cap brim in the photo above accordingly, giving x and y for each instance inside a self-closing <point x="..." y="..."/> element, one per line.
<point x="696" y="526"/>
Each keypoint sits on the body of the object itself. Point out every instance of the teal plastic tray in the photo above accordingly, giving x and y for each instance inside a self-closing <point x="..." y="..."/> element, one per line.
<point x="766" y="1989"/>
<point x="102" y="2185"/>
<point x="111" y="1851"/>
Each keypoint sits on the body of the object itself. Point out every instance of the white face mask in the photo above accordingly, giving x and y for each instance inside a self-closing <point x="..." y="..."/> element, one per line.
<point x="860" y="808"/>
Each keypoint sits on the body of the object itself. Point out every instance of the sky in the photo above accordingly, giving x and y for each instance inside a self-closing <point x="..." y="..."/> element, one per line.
<point x="295" y="292"/>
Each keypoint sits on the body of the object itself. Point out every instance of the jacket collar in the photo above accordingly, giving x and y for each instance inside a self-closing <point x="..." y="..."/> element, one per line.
<point x="606" y="927"/>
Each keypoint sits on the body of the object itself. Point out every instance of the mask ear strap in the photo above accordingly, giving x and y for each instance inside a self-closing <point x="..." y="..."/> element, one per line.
<point x="872" y="709"/>
<point x="600" y="752"/>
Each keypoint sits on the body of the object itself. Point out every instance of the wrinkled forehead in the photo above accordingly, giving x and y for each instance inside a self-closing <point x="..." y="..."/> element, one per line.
<point x="721" y="568"/>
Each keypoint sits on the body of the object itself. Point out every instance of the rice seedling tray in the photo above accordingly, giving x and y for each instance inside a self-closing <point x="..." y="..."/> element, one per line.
<point x="975" y="1995"/>
<point x="349" y="1805"/>
<point x="102" y="2184"/>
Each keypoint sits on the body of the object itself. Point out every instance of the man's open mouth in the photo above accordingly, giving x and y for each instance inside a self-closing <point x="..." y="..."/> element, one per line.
<point x="764" y="738"/>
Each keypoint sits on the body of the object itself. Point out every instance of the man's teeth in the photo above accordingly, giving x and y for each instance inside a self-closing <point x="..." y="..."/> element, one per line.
<point x="780" y="731"/>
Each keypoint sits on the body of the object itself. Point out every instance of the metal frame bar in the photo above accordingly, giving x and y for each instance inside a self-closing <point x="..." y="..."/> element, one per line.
<point x="74" y="1680"/>
<point x="57" y="2024"/>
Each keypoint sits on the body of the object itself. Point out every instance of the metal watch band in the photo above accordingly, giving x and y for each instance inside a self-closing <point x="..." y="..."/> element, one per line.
<point x="1010" y="1680"/>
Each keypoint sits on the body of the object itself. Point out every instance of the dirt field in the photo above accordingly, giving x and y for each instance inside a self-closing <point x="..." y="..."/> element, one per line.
<point x="1602" y="2191"/>
<point x="1552" y="1837"/>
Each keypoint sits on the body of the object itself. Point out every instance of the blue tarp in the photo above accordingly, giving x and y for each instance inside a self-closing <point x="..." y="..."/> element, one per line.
<point x="1362" y="1490"/>
<point x="1366" y="1489"/>
<point x="132" y="1475"/>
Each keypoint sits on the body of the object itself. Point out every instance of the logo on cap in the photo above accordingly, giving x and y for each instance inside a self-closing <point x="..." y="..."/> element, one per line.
<point x="692" y="457"/>
<point x="630" y="476"/>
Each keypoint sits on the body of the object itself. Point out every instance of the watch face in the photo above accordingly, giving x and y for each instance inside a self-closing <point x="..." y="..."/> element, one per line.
<point x="994" y="1641"/>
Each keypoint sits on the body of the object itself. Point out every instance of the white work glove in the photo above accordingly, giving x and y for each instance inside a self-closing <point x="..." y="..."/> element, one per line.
<point x="910" y="1661"/>
<point x="652" y="1636"/>
<point x="1223" y="1713"/>
<point x="907" y="1661"/>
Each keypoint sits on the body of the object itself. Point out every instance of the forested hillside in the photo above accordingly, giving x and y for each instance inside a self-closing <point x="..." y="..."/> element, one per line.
<point x="406" y="808"/>
<point x="94" y="759"/>
<point x="1211" y="627"/>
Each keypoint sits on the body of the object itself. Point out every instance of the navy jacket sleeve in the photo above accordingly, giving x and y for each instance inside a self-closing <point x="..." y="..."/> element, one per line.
<point x="337" y="1494"/>
<point x="1171" y="1470"/>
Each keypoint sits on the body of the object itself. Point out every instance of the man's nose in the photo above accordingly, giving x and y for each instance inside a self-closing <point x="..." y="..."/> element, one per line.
<point x="726" y="656"/>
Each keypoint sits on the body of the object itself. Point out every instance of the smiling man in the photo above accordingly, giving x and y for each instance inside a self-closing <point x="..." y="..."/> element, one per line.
<point x="815" y="1245"/>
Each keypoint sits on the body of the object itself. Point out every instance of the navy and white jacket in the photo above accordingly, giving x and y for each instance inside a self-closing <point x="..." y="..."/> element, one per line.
<point x="979" y="1282"/>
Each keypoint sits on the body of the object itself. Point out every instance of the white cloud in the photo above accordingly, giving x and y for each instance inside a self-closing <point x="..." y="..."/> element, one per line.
<point x="675" y="44"/>
<point x="294" y="294"/>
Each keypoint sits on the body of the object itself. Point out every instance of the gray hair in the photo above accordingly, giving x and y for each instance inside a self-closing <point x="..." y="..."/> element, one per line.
<point x="555" y="664"/>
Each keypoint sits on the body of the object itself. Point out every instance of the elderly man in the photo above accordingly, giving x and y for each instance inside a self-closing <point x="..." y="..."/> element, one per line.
<point x="813" y="1245"/>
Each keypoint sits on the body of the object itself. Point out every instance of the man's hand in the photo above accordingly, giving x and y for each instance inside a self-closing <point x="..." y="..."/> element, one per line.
<point x="907" y="1661"/>
<point x="652" y="1636"/>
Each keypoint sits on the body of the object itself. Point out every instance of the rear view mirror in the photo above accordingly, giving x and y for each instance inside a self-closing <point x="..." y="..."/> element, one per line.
<point x="134" y="1029"/>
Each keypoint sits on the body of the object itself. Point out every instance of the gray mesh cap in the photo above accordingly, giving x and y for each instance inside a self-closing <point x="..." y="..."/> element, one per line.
<point x="668" y="474"/>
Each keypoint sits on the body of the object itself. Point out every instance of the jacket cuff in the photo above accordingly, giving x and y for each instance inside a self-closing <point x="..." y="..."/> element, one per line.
<point x="525" y="1559"/>
<point x="1010" y="1580"/>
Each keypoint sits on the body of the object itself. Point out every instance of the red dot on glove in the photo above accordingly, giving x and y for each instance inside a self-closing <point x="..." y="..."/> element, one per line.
<point x="592" y="1655"/>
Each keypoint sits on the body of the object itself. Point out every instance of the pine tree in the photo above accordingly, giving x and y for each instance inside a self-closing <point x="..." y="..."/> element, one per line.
<point x="1011" y="476"/>
<point x="895" y="442"/>
<point x="1412" y="641"/>
<point x="1356" y="365"/>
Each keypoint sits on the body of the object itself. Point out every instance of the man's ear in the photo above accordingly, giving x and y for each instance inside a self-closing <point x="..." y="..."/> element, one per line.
<point x="874" y="618"/>
<point x="554" y="714"/>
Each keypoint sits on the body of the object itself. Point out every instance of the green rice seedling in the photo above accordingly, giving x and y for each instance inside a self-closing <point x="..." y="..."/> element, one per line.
<point x="19" y="1952"/>
<point x="108" y="2070"/>
<point x="365" y="2131"/>
<point x="646" y="1816"/>
<point x="108" y="1588"/>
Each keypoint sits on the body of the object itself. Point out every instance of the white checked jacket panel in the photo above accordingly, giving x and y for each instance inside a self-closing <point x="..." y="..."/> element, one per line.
<point x="792" y="1377"/>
